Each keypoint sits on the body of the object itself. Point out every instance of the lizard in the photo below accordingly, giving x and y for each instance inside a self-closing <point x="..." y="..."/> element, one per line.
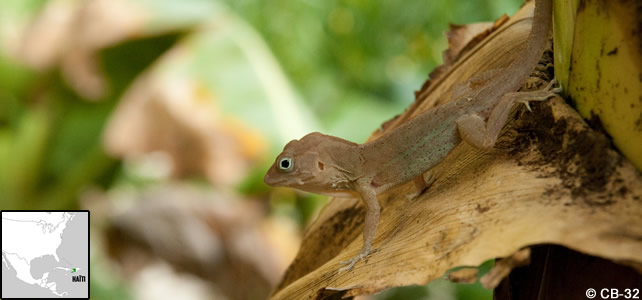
<point x="332" y="166"/>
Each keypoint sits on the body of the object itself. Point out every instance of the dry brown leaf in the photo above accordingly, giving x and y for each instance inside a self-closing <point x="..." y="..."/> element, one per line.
<point x="44" y="41"/>
<point x="177" y="115"/>
<point x="503" y="267"/>
<point x="70" y="33"/>
<point x="466" y="275"/>
<point x="462" y="38"/>
<point x="552" y="180"/>
<point x="98" y="24"/>
<point x="214" y="236"/>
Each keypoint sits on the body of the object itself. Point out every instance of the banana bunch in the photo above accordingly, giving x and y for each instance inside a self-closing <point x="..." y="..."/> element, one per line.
<point x="598" y="60"/>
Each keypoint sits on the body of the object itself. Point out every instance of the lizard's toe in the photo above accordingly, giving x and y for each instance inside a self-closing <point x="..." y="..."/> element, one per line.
<point x="353" y="261"/>
<point x="554" y="86"/>
<point x="525" y="102"/>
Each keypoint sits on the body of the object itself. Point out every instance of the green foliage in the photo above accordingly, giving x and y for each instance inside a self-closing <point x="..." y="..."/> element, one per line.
<point x="443" y="289"/>
<point x="373" y="52"/>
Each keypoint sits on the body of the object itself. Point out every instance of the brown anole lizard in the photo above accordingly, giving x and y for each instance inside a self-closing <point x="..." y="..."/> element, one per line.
<point x="333" y="166"/>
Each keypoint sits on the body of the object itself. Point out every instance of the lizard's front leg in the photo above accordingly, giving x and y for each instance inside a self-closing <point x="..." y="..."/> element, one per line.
<point x="369" y="198"/>
<point x="476" y="132"/>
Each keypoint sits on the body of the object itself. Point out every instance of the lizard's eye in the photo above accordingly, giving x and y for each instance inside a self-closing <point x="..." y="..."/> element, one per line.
<point x="286" y="164"/>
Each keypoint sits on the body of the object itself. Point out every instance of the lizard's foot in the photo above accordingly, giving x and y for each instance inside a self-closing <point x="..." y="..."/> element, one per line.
<point x="351" y="262"/>
<point x="550" y="87"/>
<point x="540" y="95"/>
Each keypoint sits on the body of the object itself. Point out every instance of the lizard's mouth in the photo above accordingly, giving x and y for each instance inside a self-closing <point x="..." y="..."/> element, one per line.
<point x="273" y="178"/>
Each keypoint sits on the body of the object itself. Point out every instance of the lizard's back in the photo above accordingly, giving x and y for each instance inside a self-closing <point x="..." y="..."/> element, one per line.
<point x="413" y="148"/>
<point x="421" y="143"/>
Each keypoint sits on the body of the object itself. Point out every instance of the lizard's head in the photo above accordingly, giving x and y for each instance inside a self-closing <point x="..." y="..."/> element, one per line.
<point x="301" y="165"/>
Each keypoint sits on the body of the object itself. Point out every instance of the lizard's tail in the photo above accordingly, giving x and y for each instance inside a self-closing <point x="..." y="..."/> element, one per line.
<point x="520" y="69"/>
<point x="540" y="31"/>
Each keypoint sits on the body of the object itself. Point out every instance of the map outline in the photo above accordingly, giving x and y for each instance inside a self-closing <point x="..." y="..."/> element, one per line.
<point x="60" y="259"/>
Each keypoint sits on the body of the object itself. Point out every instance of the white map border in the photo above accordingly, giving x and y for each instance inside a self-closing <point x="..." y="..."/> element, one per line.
<point x="33" y="244"/>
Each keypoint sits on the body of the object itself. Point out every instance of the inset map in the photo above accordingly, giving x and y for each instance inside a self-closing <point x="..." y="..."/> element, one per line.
<point x="45" y="254"/>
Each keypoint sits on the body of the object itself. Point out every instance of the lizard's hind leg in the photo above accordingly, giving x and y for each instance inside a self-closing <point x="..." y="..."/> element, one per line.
<point x="540" y="95"/>
<point x="480" y="134"/>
